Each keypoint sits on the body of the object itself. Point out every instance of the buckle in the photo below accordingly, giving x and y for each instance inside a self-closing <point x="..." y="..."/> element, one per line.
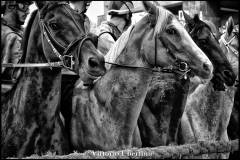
<point x="68" y="62"/>
<point x="183" y="66"/>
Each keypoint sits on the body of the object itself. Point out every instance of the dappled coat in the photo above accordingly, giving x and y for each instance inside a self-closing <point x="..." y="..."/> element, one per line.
<point x="106" y="40"/>
<point x="11" y="52"/>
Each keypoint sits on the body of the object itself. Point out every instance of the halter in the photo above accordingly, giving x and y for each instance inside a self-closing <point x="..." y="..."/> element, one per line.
<point x="229" y="46"/>
<point x="66" y="58"/>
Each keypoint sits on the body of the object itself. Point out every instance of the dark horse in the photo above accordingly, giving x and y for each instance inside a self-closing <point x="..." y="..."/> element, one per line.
<point x="166" y="99"/>
<point x="30" y="121"/>
<point x="209" y="106"/>
<point x="105" y="117"/>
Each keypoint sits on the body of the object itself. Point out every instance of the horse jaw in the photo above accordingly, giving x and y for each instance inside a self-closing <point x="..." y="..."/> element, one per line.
<point x="196" y="80"/>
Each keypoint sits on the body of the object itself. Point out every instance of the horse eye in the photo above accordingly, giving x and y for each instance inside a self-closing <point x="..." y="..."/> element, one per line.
<point x="53" y="26"/>
<point x="203" y="41"/>
<point x="171" y="31"/>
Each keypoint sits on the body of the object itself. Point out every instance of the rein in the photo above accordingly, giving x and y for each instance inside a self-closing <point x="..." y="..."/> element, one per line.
<point x="168" y="69"/>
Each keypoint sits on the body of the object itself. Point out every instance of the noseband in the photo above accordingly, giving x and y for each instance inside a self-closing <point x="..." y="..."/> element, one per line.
<point x="66" y="60"/>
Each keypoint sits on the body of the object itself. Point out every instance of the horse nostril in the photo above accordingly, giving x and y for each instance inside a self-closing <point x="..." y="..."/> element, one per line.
<point x="227" y="73"/>
<point x="206" y="67"/>
<point x="93" y="62"/>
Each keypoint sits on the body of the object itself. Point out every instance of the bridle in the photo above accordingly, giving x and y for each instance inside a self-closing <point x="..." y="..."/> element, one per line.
<point x="56" y="47"/>
<point x="178" y="66"/>
<point x="228" y="44"/>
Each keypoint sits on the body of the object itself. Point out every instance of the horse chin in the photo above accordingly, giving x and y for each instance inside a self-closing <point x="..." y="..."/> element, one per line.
<point x="200" y="77"/>
<point x="88" y="78"/>
<point x="197" y="80"/>
<point x="218" y="83"/>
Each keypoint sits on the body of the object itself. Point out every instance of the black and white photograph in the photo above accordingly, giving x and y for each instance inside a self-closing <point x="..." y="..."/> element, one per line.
<point x="120" y="79"/>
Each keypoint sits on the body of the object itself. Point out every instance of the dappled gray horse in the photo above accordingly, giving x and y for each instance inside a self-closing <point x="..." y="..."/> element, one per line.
<point x="30" y="113"/>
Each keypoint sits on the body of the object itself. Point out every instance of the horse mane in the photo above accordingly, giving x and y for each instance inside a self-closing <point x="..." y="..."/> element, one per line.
<point x="26" y="34"/>
<point x="162" y="19"/>
<point x="118" y="47"/>
<point x="211" y="26"/>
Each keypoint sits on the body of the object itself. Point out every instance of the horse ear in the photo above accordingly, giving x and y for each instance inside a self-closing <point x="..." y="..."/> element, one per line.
<point x="149" y="7"/>
<point x="196" y="18"/>
<point x="230" y="25"/>
<point x="40" y="4"/>
<point x="188" y="19"/>
<point x="152" y="10"/>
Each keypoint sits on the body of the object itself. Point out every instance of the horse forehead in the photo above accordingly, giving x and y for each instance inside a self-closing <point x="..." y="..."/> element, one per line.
<point x="205" y="31"/>
<point x="178" y="26"/>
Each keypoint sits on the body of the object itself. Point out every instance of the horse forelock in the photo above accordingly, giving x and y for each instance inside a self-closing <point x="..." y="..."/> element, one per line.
<point x="163" y="18"/>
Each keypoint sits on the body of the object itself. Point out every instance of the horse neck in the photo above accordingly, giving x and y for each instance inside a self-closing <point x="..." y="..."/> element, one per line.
<point x="125" y="88"/>
<point x="40" y="87"/>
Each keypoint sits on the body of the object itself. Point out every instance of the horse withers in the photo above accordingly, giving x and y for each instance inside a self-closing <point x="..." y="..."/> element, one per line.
<point x="30" y="121"/>
<point x="105" y="117"/>
<point x="208" y="106"/>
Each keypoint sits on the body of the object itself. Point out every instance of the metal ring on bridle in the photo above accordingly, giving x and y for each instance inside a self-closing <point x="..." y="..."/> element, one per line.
<point x="183" y="66"/>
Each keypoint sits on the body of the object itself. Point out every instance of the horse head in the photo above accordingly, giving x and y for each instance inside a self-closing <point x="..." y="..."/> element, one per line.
<point x="204" y="36"/>
<point x="167" y="43"/>
<point x="64" y="38"/>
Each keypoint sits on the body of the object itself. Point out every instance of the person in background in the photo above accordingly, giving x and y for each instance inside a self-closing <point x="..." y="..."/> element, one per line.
<point x="14" y="16"/>
<point x="81" y="7"/>
<point x="110" y="31"/>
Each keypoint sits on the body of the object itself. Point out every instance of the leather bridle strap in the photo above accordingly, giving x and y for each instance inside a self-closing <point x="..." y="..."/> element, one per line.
<point x="44" y="32"/>
<point x="50" y="64"/>
<point x="155" y="61"/>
